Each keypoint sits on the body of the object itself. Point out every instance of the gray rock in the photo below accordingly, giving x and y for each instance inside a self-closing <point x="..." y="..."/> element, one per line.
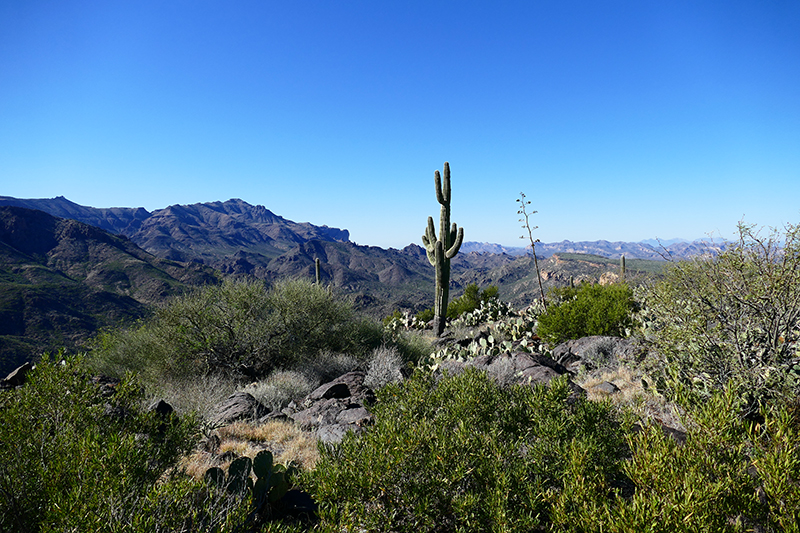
<point x="334" y="408"/>
<point x="357" y="416"/>
<point x="607" y="388"/>
<point x="238" y="406"/>
<point x="595" y="352"/>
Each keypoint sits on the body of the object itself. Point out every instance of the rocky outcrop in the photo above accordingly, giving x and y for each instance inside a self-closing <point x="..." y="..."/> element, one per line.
<point x="238" y="406"/>
<point x="595" y="351"/>
<point x="335" y="408"/>
<point x="514" y="368"/>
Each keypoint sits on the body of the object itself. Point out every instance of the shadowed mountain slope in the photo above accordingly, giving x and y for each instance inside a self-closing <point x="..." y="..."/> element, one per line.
<point x="61" y="280"/>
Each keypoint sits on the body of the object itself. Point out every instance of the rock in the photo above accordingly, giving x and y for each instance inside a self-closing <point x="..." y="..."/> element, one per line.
<point x="238" y="406"/>
<point x="335" y="408"/>
<point x="162" y="408"/>
<point x="330" y="390"/>
<point x="357" y="416"/>
<point x="16" y="378"/>
<point x="334" y="434"/>
<point x="606" y="387"/>
<point x="595" y="352"/>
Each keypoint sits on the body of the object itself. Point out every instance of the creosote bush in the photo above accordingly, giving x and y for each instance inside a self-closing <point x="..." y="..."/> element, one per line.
<point x="77" y="459"/>
<point x="241" y="328"/>
<point x="463" y="454"/>
<point x="734" y="318"/>
<point x="589" y="309"/>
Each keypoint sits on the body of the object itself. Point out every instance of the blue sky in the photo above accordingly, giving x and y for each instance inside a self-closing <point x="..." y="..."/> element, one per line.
<point x="620" y="120"/>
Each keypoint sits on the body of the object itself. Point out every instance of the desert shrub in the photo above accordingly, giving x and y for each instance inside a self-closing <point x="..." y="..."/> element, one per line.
<point x="463" y="454"/>
<point x="76" y="458"/>
<point x="469" y="301"/>
<point x="239" y="327"/>
<point x="385" y="366"/>
<point x="590" y="309"/>
<point x="426" y="315"/>
<point x="734" y="317"/>
<point x="729" y="475"/>
<point x="281" y="387"/>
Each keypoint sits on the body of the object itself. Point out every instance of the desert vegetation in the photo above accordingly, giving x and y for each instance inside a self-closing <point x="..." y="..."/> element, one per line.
<point x="694" y="426"/>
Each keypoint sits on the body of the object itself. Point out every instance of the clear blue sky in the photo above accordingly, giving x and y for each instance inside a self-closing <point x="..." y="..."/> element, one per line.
<point x="621" y="120"/>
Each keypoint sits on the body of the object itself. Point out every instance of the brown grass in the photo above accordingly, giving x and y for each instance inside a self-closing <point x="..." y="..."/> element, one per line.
<point x="631" y="394"/>
<point x="286" y="441"/>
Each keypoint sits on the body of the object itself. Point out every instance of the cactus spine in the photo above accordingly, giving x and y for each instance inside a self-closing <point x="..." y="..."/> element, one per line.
<point x="441" y="250"/>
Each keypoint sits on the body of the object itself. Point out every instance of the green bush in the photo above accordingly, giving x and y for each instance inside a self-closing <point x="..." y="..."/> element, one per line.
<point x="590" y="309"/>
<point x="239" y="327"/>
<point x="463" y="454"/>
<point x="469" y="301"/>
<point x="734" y="318"/>
<point x="76" y="459"/>
<point x="729" y="475"/>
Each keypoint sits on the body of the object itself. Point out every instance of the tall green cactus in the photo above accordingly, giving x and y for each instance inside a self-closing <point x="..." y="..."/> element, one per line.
<point x="441" y="250"/>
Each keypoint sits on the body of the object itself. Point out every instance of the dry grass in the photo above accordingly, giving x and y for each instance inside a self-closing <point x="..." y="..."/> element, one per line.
<point x="632" y="394"/>
<point x="286" y="441"/>
<point x="196" y="394"/>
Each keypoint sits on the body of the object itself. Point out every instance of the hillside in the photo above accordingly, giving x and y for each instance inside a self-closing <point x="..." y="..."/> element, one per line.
<point x="61" y="280"/>
<point x="211" y="233"/>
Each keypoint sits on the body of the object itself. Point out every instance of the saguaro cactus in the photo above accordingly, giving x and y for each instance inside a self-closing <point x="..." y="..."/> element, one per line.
<point x="441" y="250"/>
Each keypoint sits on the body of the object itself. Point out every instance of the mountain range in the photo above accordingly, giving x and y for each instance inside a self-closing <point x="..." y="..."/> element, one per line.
<point x="213" y="232"/>
<point x="68" y="270"/>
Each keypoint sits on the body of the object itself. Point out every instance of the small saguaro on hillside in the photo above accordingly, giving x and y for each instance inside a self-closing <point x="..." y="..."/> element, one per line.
<point x="441" y="250"/>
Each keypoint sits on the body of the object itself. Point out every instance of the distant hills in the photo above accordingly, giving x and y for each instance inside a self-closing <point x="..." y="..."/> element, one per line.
<point x="67" y="270"/>
<point x="672" y="249"/>
<point x="214" y="232"/>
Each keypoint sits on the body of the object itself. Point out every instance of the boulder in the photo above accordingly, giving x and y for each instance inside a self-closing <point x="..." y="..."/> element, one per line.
<point x="238" y="406"/>
<point x="595" y="352"/>
<point x="516" y="368"/>
<point x="335" y="408"/>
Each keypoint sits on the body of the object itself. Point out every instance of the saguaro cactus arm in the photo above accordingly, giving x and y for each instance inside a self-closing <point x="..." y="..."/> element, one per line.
<point x="456" y="238"/>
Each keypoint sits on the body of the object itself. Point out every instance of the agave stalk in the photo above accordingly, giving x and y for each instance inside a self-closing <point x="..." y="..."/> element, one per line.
<point x="526" y="225"/>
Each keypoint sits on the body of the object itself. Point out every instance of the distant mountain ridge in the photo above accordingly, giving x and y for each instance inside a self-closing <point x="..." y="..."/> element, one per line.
<point x="678" y="249"/>
<point x="221" y="234"/>
<point x="210" y="233"/>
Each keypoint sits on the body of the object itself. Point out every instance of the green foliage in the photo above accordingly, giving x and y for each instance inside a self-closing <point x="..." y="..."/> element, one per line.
<point x="426" y="315"/>
<point x="729" y="475"/>
<point x="468" y="302"/>
<point x="463" y="454"/>
<point x="734" y="318"/>
<point x="76" y="459"/>
<point x="590" y="309"/>
<point x="239" y="327"/>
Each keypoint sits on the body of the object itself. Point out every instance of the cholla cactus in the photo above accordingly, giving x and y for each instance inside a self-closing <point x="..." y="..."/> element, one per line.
<point x="441" y="250"/>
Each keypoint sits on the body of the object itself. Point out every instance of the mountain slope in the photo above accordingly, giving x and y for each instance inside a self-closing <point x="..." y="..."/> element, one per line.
<point x="211" y="232"/>
<point x="62" y="280"/>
